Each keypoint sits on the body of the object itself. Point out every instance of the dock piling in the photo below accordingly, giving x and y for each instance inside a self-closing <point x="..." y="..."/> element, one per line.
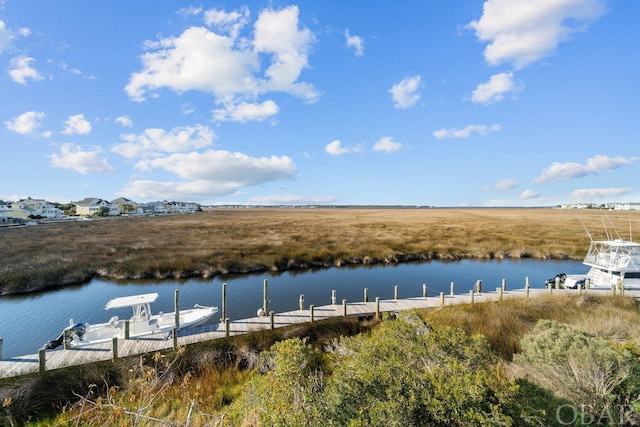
<point x="301" y="302"/>
<point x="395" y="292"/>
<point x="42" y="361"/>
<point x="499" y="290"/>
<point x="226" y="327"/>
<point x="453" y="292"/>
<point x="1" y="340"/>
<point x="504" y="285"/>
<point x="378" y="308"/>
<point x="265" y="302"/>
<point x="366" y="295"/>
<point x="114" y="348"/>
<point x="424" y="290"/>
<point x="344" y="308"/>
<point x="272" y="319"/>
<point x="224" y="301"/>
<point x="311" y="307"/>
<point x="176" y="303"/>
<point x="174" y="336"/>
<point x="333" y="297"/>
<point x="441" y="299"/>
<point x="471" y="296"/>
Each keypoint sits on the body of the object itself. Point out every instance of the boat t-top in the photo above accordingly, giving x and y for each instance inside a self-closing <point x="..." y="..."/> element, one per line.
<point x="142" y="322"/>
<point x="612" y="263"/>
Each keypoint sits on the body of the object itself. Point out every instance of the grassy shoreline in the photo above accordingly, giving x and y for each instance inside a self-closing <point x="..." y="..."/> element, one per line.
<point x="225" y="241"/>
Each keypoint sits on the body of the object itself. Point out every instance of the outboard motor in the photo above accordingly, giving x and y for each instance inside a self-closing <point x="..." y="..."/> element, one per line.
<point x="77" y="329"/>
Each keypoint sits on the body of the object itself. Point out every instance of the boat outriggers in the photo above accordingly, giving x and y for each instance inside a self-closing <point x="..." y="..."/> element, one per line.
<point x="142" y="322"/>
<point x="612" y="263"/>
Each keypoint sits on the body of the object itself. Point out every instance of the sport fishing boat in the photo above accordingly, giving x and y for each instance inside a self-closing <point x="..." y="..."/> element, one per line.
<point x="611" y="263"/>
<point x="142" y="322"/>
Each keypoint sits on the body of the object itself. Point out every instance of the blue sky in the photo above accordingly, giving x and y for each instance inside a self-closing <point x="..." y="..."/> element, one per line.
<point x="439" y="103"/>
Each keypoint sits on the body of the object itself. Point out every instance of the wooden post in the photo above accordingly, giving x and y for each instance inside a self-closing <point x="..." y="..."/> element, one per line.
<point x="557" y="282"/>
<point x="550" y="289"/>
<point x="622" y="289"/>
<point x="174" y="336"/>
<point x="42" y="361"/>
<point x="366" y="295"/>
<point x="424" y="290"/>
<point x="344" y="308"/>
<point x="504" y="285"/>
<point x="226" y="327"/>
<point x="378" y="308"/>
<point x="311" y="313"/>
<point x="265" y="300"/>
<point x="579" y="288"/>
<point x="1" y="340"/>
<point x="499" y="293"/>
<point x="114" y="347"/>
<point x="66" y="339"/>
<point x="224" y="300"/>
<point x="479" y="282"/>
<point x="526" y="282"/>
<point x="613" y="289"/>
<point x="301" y="302"/>
<point x="453" y="285"/>
<point x="333" y="297"/>
<point x="395" y="292"/>
<point x="127" y="332"/>
<point x="441" y="299"/>
<point x="526" y="290"/>
<point x="587" y="283"/>
<point x="176" y="304"/>
<point x="471" y="296"/>
<point x="273" y="320"/>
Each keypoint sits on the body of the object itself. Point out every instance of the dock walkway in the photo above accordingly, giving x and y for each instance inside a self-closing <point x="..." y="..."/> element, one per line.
<point x="57" y="359"/>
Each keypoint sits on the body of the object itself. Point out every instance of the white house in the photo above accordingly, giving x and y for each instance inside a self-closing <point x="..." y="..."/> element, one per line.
<point x="93" y="205"/>
<point x="36" y="208"/>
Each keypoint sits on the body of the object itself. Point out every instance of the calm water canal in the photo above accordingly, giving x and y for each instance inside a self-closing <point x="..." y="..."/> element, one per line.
<point x="28" y="321"/>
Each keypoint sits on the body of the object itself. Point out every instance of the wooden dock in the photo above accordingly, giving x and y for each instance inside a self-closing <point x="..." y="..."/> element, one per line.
<point x="57" y="359"/>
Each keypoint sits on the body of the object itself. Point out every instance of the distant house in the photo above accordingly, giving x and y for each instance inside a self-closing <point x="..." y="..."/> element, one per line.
<point x="92" y="205"/>
<point x="35" y="208"/>
<point x="4" y="212"/>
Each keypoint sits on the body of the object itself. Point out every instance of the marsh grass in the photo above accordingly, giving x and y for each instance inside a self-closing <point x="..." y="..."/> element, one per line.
<point x="504" y="323"/>
<point x="246" y="240"/>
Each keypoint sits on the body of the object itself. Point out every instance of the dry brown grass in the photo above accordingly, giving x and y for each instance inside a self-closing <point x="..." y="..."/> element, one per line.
<point x="243" y="240"/>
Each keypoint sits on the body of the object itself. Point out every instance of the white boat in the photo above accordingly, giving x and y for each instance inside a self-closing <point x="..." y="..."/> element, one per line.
<point x="612" y="263"/>
<point x="142" y="322"/>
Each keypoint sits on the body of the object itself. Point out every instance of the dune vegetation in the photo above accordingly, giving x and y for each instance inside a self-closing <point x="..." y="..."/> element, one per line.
<point x="547" y="361"/>
<point x="248" y="240"/>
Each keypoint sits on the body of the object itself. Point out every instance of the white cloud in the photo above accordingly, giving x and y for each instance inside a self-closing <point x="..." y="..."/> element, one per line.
<point x="20" y="70"/>
<point x="76" y="158"/>
<point x="595" y="165"/>
<point x="386" y="144"/>
<point x="188" y="11"/>
<point x="466" y="132"/>
<point x="505" y="184"/>
<point x="292" y="199"/>
<point x="124" y="121"/>
<point x="529" y="194"/>
<point x="495" y="89"/>
<point x="7" y="36"/>
<point x="211" y="173"/>
<point x="594" y="193"/>
<point x="77" y="125"/>
<point x="524" y="31"/>
<point x="406" y="93"/>
<point x="154" y="142"/>
<point x="245" y="111"/>
<point x="226" y="65"/>
<point x="26" y="123"/>
<point x="335" y="148"/>
<point x="227" y="23"/>
<point x="355" y="42"/>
